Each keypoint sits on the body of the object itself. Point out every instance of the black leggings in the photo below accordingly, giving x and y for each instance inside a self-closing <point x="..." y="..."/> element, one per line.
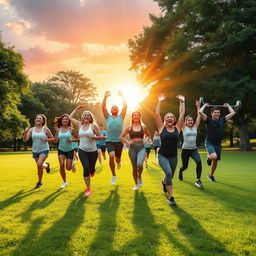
<point x="88" y="161"/>
<point x="193" y="153"/>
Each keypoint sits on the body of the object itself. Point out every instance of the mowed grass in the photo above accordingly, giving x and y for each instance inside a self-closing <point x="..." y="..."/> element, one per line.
<point x="115" y="220"/>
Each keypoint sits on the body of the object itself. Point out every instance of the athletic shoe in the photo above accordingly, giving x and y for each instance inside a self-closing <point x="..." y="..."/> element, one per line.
<point x="164" y="187"/>
<point x="113" y="182"/>
<point x="48" y="169"/>
<point x="209" y="161"/>
<point x="171" y="201"/>
<point x="140" y="182"/>
<point x="180" y="175"/>
<point x="73" y="167"/>
<point x="38" y="185"/>
<point x="211" y="178"/>
<point x="87" y="192"/>
<point x="118" y="165"/>
<point x="199" y="184"/>
<point x="64" y="184"/>
<point x="135" y="187"/>
<point x="92" y="174"/>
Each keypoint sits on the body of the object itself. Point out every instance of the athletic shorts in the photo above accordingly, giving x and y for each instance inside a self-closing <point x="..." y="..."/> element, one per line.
<point x="117" y="147"/>
<point x="75" y="149"/>
<point x="68" y="154"/>
<point x="155" y="147"/>
<point x="102" y="148"/>
<point x="148" y="151"/>
<point x="211" y="148"/>
<point x="37" y="154"/>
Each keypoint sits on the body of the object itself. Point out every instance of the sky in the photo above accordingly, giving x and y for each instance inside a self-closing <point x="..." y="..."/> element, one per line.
<point x="89" y="36"/>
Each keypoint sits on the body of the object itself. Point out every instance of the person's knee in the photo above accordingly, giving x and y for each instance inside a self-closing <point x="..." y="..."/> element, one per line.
<point x="140" y="166"/>
<point x="213" y="156"/>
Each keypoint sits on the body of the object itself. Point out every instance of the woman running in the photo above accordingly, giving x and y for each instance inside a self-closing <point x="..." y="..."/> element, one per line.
<point x="148" y="145"/>
<point x="189" y="147"/>
<point x="101" y="144"/>
<point x="40" y="135"/>
<point x="65" y="134"/>
<point x="156" y="143"/>
<point x="169" y="133"/>
<point x="88" y="154"/>
<point x="136" y="147"/>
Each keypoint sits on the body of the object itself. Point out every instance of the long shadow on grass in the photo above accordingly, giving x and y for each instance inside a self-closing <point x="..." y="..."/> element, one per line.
<point x="102" y="244"/>
<point x="56" y="239"/>
<point x="201" y="241"/>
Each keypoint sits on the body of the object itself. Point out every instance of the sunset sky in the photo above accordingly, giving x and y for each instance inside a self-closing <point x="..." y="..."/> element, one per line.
<point x="89" y="36"/>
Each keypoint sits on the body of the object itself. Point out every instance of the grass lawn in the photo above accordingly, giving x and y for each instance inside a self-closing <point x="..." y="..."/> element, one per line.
<point x="115" y="220"/>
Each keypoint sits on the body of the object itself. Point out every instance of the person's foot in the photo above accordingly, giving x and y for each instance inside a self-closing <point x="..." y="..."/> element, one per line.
<point x="140" y="184"/>
<point x="118" y="165"/>
<point x="48" y="169"/>
<point x="92" y="174"/>
<point x="113" y="182"/>
<point x="164" y="187"/>
<point x="87" y="192"/>
<point x="211" y="178"/>
<point x="171" y="201"/>
<point x="64" y="184"/>
<point x="180" y="175"/>
<point x="73" y="167"/>
<point x="136" y="187"/>
<point x="199" y="184"/>
<point x="38" y="185"/>
<point x="209" y="161"/>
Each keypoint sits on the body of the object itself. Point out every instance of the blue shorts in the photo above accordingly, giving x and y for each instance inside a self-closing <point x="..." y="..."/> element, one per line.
<point x="101" y="147"/>
<point x="211" y="148"/>
<point x="37" y="154"/>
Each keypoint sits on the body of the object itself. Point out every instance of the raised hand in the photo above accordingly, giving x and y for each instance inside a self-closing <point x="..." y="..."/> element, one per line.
<point x="226" y="105"/>
<point x="120" y="93"/>
<point x="181" y="98"/>
<point x="80" y="107"/>
<point x="161" y="97"/>
<point x="107" y="93"/>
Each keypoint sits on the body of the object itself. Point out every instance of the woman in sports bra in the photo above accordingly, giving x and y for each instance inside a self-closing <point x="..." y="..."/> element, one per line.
<point x="169" y="133"/>
<point x="87" y="152"/>
<point x="65" y="135"/>
<point x="40" y="135"/>
<point x="136" y="147"/>
<point x="189" y="147"/>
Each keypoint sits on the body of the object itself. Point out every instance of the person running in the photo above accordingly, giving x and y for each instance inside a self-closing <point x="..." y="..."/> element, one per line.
<point x="148" y="144"/>
<point x="169" y="133"/>
<point x="87" y="152"/>
<point x="75" y="148"/>
<point x="64" y="136"/>
<point x="40" y="135"/>
<point x="189" y="147"/>
<point x="101" y="144"/>
<point x="136" y="147"/>
<point x="156" y="143"/>
<point x="114" y="128"/>
<point x="214" y="126"/>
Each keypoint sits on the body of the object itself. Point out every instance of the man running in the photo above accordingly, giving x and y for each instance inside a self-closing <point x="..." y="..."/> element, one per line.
<point x="114" y="127"/>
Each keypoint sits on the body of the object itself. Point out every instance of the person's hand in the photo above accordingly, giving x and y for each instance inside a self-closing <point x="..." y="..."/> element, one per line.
<point x="181" y="98"/>
<point x="129" y="142"/>
<point x="69" y="140"/>
<point x="120" y="93"/>
<point x="44" y="139"/>
<point x="161" y="97"/>
<point x="27" y="129"/>
<point x="226" y="105"/>
<point x="80" y="107"/>
<point x="107" y="93"/>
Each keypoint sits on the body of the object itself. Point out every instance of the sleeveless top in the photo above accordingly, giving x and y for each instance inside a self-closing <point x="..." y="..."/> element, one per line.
<point x="169" y="141"/>
<point x="102" y="142"/>
<point x="157" y="141"/>
<point x="114" y="127"/>
<point x="38" y="144"/>
<point x="64" y="145"/>
<point x="189" y="137"/>
<point x="136" y="134"/>
<point x="87" y="144"/>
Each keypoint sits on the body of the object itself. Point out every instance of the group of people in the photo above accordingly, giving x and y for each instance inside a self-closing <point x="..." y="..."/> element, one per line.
<point x="94" y="141"/>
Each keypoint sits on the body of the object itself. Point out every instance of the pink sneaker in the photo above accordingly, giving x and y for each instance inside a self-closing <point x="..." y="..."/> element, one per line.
<point x="92" y="174"/>
<point x="88" y="192"/>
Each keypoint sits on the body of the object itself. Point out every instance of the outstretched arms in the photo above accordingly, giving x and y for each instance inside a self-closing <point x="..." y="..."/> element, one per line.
<point x="159" y="122"/>
<point x="231" y="111"/>
<point x="104" y="103"/>
<point x="124" y="109"/>
<point x="201" y="111"/>
<point x="180" y="121"/>
<point x="198" y="118"/>
<point x="72" y="119"/>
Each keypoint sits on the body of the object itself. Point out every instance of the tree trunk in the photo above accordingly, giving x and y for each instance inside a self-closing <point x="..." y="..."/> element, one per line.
<point x="244" y="138"/>
<point x="14" y="145"/>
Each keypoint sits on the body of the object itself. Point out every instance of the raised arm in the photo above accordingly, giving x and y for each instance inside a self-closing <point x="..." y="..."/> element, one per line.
<point x="198" y="118"/>
<point x="104" y="103"/>
<point x="159" y="122"/>
<point x="71" y="116"/>
<point x="124" y="109"/>
<point x="201" y="111"/>
<point x="231" y="111"/>
<point x="27" y="134"/>
<point x="180" y="121"/>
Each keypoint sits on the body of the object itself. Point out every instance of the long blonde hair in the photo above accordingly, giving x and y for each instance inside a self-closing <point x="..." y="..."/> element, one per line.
<point x="92" y="120"/>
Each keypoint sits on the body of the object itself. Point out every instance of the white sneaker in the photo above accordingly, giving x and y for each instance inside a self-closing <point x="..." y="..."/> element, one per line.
<point x="140" y="182"/>
<point x="64" y="185"/>
<point x="113" y="180"/>
<point x="135" y="187"/>
<point x="100" y="165"/>
<point x="118" y="165"/>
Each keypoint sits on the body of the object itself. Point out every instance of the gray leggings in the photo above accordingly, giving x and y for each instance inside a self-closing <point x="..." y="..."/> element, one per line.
<point x="137" y="154"/>
<point x="168" y="164"/>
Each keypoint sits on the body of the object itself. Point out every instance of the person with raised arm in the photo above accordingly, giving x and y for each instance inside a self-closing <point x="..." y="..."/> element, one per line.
<point x="214" y="126"/>
<point x="114" y="122"/>
<point x="88" y="132"/>
<point x="169" y="131"/>
<point x="40" y="135"/>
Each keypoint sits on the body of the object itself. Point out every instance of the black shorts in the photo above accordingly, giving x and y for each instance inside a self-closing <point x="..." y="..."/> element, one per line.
<point x="68" y="155"/>
<point x="117" y="147"/>
<point x="148" y="151"/>
<point x="102" y="148"/>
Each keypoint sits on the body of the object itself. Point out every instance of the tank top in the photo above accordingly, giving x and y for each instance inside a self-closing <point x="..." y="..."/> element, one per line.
<point x="169" y="141"/>
<point x="136" y="135"/>
<point x="39" y="145"/>
<point x="189" y="137"/>
<point x="87" y="144"/>
<point x="64" y="145"/>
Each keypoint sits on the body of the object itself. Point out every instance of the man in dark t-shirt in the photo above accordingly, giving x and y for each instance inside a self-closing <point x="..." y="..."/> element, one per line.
<point x="214" y="127"/>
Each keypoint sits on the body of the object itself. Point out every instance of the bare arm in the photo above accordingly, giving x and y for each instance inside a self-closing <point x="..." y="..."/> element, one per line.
<point x="122" y="136"/>
<point x="27" y="134"/>
<point x="49" y="135"/>
<point x="198" y="118"/>
<point x="201" y="111"/>
<point x="146" y="131"/>
<point x="96" y="132"/>
<point x="72" y="119"/>
<point x="180" y="121"/>
<point x="159" y="122"/>
<point x="75" y="136"/>
<point x="124" y="109"/>
<point x="104" y="103"/>
<point x="231" y="111"/>
<point x="56" y="136"/>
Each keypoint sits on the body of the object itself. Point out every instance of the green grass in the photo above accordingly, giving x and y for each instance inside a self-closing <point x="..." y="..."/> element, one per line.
<point x="219" y="220"/>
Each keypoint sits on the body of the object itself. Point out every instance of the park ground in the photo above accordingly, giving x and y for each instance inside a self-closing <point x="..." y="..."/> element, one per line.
<point x="115" y="220"/>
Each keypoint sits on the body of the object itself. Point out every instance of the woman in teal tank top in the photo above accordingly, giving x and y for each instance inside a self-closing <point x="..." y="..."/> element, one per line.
<point x="64" y="136"/>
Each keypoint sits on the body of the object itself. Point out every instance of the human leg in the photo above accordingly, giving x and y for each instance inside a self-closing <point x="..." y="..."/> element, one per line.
<point x="185" y="160"/>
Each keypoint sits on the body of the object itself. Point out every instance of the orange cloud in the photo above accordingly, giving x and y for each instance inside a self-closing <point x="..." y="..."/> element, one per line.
<point x="17" y="27"/>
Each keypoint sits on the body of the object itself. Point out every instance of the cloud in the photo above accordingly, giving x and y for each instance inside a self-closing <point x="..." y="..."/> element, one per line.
<point x="5" y="3"/>
<point x="79" y="21"/>
<point x="17" y="27"/>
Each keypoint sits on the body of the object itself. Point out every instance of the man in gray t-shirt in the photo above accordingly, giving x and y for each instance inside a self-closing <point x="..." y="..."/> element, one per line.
<point x="214" y="127"/>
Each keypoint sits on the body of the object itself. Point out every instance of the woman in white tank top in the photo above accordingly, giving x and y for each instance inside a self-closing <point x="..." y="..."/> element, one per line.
<point x="189" y="147"/>
<point x="41" y="135"/>
<point x="88" y="154"/>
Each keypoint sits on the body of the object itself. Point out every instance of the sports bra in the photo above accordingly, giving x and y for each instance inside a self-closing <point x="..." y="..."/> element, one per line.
<point x="136" y="135"/>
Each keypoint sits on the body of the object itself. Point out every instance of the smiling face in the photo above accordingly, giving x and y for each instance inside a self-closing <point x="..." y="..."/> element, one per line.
<point x="114" y="110"/>
<point x="65" y="121"/>
<point x="169" y="119"/>
<point x="136" y="116"/>
<point x="215" y="113"/>
<point x="189" y="121"/>
<point x="40" y="120"/>
<point x="86" y="117"/>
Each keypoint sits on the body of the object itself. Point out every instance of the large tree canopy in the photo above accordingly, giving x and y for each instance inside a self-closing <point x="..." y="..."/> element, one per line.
<point x="202" y="48"/>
